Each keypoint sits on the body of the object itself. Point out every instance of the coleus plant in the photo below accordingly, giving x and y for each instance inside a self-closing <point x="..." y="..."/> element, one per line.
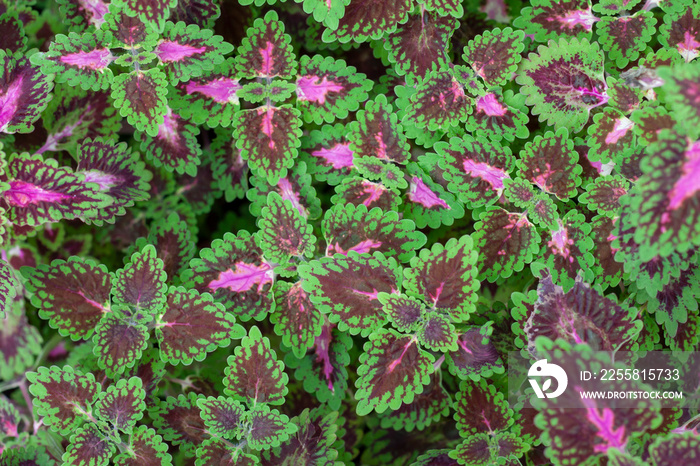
<point x="310" y="232"/>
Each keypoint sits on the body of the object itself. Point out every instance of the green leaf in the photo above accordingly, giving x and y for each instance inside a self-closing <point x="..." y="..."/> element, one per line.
<point x="393" y="370"/>
<point x="89" y="447"/>
<point x="119" y="341"/>
<point x="141" y="283"/>
<point x="223" y="416"/>
<point x="146" y="449"/>
<point x="140" y="98"/>
<point x="268" y="427"/>
<point x="284" y="232"/>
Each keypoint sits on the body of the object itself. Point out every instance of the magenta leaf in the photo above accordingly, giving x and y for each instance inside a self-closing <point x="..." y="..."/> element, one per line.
<point x="296" y="318"/>
<point x="192" y="326"/>
<point x="444" y="277"/>
<point x="581" y="315"/>
<point x="254" y="374"/>
<point x="377" y="133"/>
<point x="186" y="51"/>
<point x="178" y="420"/>
<point x="549" y="162"/>
<point x="475" y="168"/>
<point x="140" y="97"/>
<point x="24" y="92"/>
<point x="393" y="370"/>
<point x="9" y="418"/>
<point x="349" y="228"/>
<point x="62" y="396"/>
<point x="418" y="46"/>
<point x="428" y="203"/>
<point x="79" y="60"/>
<point x="73" y="295"/>
<point x="174" y="146"/>
<point x="328" y="154"/>
<point x="347" y="288"/>
<point x="296" y="188"/>
<point x="610" y="136"/>
<point x="117" y="171"/>
<point x="235" y="274"/>
<point x="506" y="241"/>
<point x="266" y="51"/>
<point x="327" y="89"/>
<point x="40" y="191"/>
<point x="268" y="138"/>
<point x="361" y="21"/>
<point x="210" y="98"/>
<point x="500" y="117"/>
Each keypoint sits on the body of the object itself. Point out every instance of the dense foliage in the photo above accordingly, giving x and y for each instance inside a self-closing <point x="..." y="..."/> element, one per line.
<point x="309" y="232"/>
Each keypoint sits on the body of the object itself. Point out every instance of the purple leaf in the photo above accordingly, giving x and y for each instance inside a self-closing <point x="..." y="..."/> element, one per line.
<point x="40" y="191"/>
<point x="20" y="343"/>
<point x="604" y="193"/>
<point x="119" y="339"/>
<point x="359" y="191"/>
<point x="72" y="295"/>
<point x="140" y="97"/>
<point x="80" y="15"/>
<point x="328" y="89"/>
<point x="328" y="154"/>
<point x="79" y="60"/>
<point x="581" y="315"/>
<point x="476" y="356"/>
<point x="147" y="449"/>
<point x="254" y="374"/>
<point x="89" y="446"/>
<point x="268" y="138"/>
<point x="349" y="228"/>
<point x="117" y="171"/>
<point x="418" y="46"/>
<point x="178" y="420"/>
<point x="63" y="396"/>
<point x="674" y="448"/>
<point x="495" y="55"/>
<point x="475" y="168"/>
<point x="186" y="51"/>
<point x="14" y="38"/>
<point x="445" y="277"/>
<point x="377" y="133"/>
<point x="268" y="428"/>
<point x="122" y="404"/>
<point x="393" y="370"/>
<point x="141" y="283"/>
<point x="24" y="92"/>
<point x="209" y="99"/>
<point x="296" y="318"/>
<point x="284" y="232"/>
<point x="681" y="30"/>
<point x="174" y="146"/>
<point x="153" y="13"/>
<point x="437" y="333"/>
<point x="563" y="82"/>
<point x="347" y="288"/>
<point x="203" y="13"/>
<point x="266" y="51"/>
<point x="500" y="117"/>
<point x="222" y="416"/>
<point x="480" y="408"/>
<point x="506" y="242"/>
<point x="625" y="37"/>
<point x="550" y="162"/>
<point x="552" y="19"/>
<point x="361" y="21"/>
<point x="606" y="269"/>
<point x="192" y="326"/>
<point x="404" y="312"/>
<point x="439" y="102"/>
<point x="430" y="406"/>
<point x="235" y="274"/>
<point x="229" y="169"/>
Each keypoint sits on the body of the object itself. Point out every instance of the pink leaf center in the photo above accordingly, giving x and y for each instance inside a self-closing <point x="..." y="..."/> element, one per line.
<point x="494" y="176"/>
<point x="97" y="59"/>
<point x="221" y="90"/>
<point x="689" y="182"/>
<point x="9" y="102"/>
<point x="361" y="247"/>
<point x="286" y="190"/>
<point x="243" y="277"/>
<point x="170" y="51"/>
<point x="309" y="88"/>
<point x="421" y="194"/>
<point x="490" y="106"/>
<point x="605" y="423"/>
<point x="339" y="156"/>
<point x="22" y="194"/>
<point x="622" y="125"/>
